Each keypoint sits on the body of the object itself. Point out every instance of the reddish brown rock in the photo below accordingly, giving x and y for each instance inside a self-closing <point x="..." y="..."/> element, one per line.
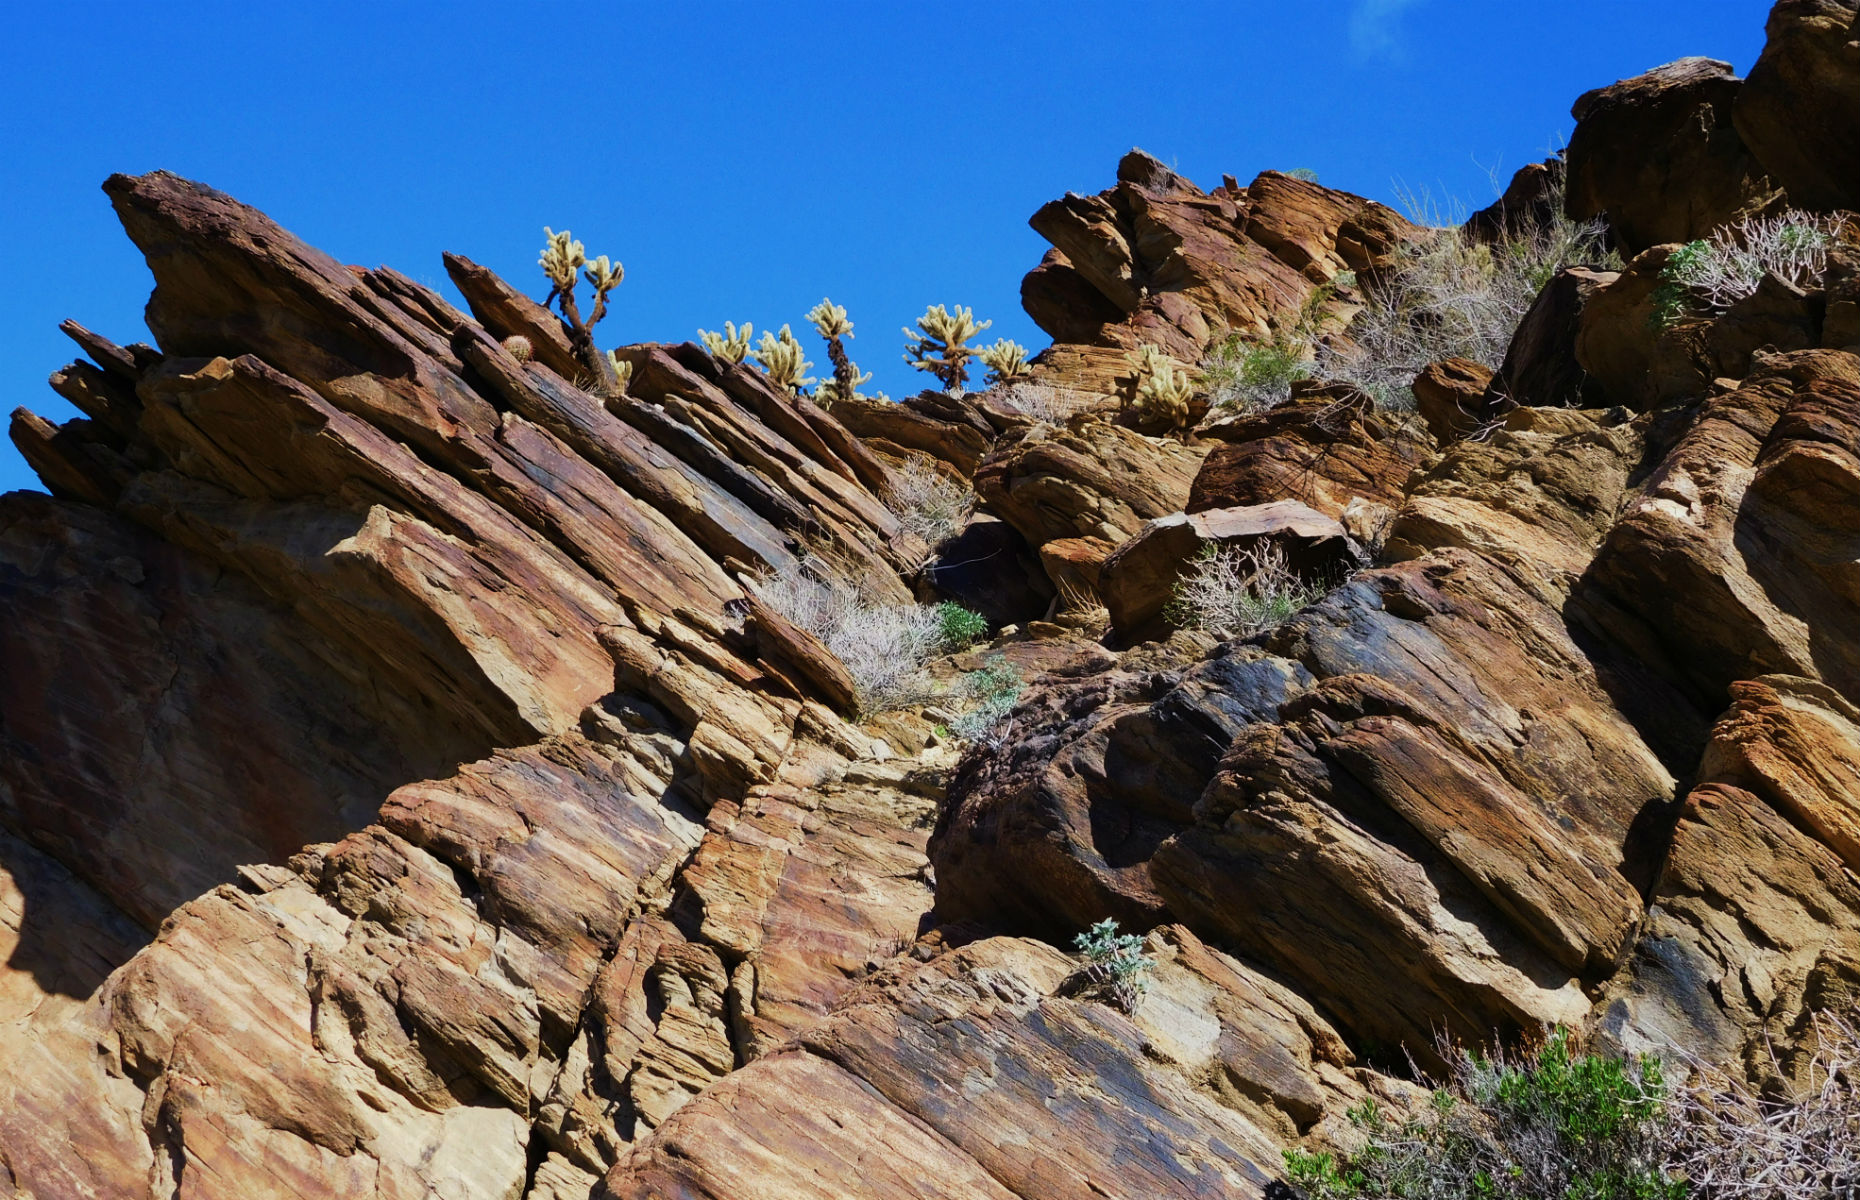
<point x="1541" y="369"/>
<point x="1451" y="397"/>
<point x="1799" y="112"/>
<point x="1659" y="155"/>
<point x="1138" y="580"/>
<point x="1325" y="448"/>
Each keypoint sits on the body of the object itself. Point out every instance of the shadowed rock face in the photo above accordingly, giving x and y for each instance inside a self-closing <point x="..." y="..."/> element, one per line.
<point x="401" y="793"/>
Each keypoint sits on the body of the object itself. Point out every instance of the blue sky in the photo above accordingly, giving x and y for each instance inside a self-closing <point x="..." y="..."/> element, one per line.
<point x="744" y="160"/>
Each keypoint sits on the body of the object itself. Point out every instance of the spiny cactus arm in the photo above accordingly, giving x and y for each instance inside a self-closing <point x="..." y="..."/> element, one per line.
<point x="1006" y="361"/>
<point x="830" y="319"/>
<point x="562" y="257"/>
<point x="782" y="360"/>
<point x="622" y="369"/>
<point x="731" y="345"/>
<point x="604" y="277"/>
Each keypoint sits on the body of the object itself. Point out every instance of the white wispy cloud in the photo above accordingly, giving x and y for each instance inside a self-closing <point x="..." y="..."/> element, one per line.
<point x="1375" y="27"/>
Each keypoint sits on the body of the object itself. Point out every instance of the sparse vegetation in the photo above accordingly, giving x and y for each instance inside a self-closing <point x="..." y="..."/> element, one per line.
<point x="1453" y="296"/>
<point x="1248" y="376"/>
<point x="1043" y="402"/>
<point x="519" y="347"/>
<point x="621" y="368"/>
<point x="1160" y="395"/>
<point x="1721" y="270"/>
<point x="564" y="260"/>
<point x="1551" y="1124"/>
<point x="883" y="646"/>
<point x="940" y="345"/>
<point x="991" y="691"/>
<point x="782" y="360"/>
<point x="1304" y="173"/>
<point x="1236" y="592"/>
<point x="959" y="627"/>
<point x="1006" y="362"/>
<point x="1115" y="966"/>
<point x="732" y="345"/>
<point x="1735" y="1144"/>
<point x="928" y="502"/>
<point x="830" y="320"/>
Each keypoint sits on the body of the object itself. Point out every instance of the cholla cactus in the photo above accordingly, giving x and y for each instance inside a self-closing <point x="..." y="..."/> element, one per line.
<point x="1006" y="361"/>
<point x="1162" y="390"/>
<point x="830" y="319"/>
<point x="519" y="347"/>
<point x="622" y="369"/>
<point x="731" y="345"/>
<point x="944" y="335"/>
<point x="780" y="356"/>
<point x="562" y="258"/>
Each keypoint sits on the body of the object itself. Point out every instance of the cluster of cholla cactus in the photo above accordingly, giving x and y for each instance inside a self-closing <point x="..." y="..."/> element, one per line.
<point x="831" y="321"/>
<point x="939" y="345"/>
<point x="1006" y="362"/>
<point x="565" y="262"/>
<point x="732" y="345"/>
<point x="782" y="361"/>
<point x="1160" y="395"/>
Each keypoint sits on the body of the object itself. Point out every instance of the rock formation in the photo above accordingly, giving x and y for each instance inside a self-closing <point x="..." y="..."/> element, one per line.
<point x="406" y="790"/>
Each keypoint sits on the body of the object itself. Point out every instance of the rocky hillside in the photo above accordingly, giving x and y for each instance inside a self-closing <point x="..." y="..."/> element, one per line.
<point x="406" y="789"/>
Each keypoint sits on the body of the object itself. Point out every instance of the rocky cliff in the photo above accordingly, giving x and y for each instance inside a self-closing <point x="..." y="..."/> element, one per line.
<point x="403" y="791"/>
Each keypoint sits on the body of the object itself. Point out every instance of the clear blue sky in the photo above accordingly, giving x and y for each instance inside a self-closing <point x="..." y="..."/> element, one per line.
<point x="744" y="160"/>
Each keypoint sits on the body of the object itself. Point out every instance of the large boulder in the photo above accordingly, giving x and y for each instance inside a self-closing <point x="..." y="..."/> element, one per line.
<point x="1658" y="154"/>
<point x="1138" y="581"/>
<point x="1799" y="112"/>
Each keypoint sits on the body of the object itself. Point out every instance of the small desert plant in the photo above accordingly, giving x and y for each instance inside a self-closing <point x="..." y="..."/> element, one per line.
<point x="1235" y="592"/>
<point x="1453" y="295"/>
<point x="1304" y="173"/>
<point x="1728" y="266"/>
<point x="1006" y="361"/>
<point x="939" y="345"/>
<point x="991" y="691"/>
<point x="732" y="345"/>
<point x="565" y="262"/>
<point x="883" y="646"/>
<point x="1552" y="1124"/>
<point x="831" y="322"/>
<point x="519" y="347"/>
<point x="1043" y="401"/>
<point x="1733" y="1144"/>
<point x="959" y="627"/>
<point x="782" y="360"/>
<point x="1162" y="389"/>
<point x="1115" y="966"/>
<point x="928" y="502"/>
<point x="1249" y="376"/>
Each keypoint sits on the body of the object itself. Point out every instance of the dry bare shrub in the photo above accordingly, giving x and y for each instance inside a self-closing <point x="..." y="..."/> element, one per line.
<point x="1735" y="1144"/>
<point x="928" y="503"/>
<point x="1454" y="296"/>
<point x="1235" y="592"/>
<point x="1724" y="268"/>
<point x="1043" y="401"/>
<point x="883" y="646"/>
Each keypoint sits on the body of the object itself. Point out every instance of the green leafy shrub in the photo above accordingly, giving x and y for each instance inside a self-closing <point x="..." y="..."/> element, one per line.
<point x="1115" y="966"/>
<point x="1246" y="377"/>
<point x="991" y="691"/>
<point x="1721" y="270"/>
<point x="959" y="627"/>
<point x="1550" y="1125"/>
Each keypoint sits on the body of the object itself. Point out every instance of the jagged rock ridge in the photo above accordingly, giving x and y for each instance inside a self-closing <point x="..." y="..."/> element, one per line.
<point x="402" y="793"/>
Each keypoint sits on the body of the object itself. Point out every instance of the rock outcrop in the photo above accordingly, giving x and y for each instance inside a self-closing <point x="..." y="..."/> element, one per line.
<point x="405" y="789"/>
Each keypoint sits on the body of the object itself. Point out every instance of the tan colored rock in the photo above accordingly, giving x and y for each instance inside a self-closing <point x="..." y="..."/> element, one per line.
<point x="1138" y="581"/>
